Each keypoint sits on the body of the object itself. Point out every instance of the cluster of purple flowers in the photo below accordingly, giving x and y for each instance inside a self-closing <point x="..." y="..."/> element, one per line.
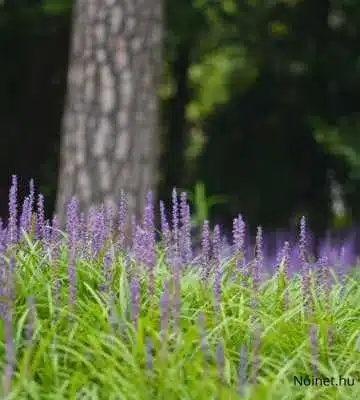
<point x="90" y="236"/>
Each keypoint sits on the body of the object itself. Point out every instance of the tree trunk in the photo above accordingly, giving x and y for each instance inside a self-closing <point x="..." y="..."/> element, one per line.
<point x="110" y="138"/>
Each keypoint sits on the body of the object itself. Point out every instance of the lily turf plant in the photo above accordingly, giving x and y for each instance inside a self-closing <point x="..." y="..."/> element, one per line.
<point x="86" y="316"/>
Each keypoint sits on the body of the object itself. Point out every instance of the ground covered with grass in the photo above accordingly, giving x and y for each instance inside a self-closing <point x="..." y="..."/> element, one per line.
<point x="86" y="315"/>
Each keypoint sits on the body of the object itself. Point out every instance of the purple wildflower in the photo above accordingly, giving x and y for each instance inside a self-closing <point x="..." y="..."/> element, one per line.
<point x="258" y="264"/>
<point x="238" y="239"/>
<point x="71" y="229"/>
<point x="166" y="233"/>
<point x="122" y="221"/>
<point x="109" y="220"/>
<point x="185" y="239"/>
<point x="133" y="230"/>
<point x="12" y="225"/>
<point x="205" y="252"/>
<point x="40" y="219"/>
<point x="24" y="217"/>
<point x="304" y="264"/>
<point x="149" y="243"/>
<point x="54" y="254"/>
<point x="99" y="230"/>
<point x="216" y="255"/>
<point x="175" y="220"/>
<point x="82" y="232"/>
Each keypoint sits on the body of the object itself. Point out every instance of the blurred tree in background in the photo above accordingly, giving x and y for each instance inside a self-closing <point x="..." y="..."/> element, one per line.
<point x="110" y="138"/>
<point x="260" y="102"/>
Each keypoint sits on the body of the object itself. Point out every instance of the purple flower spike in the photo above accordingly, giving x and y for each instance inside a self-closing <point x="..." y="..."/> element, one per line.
<point x="238" y="240"/>
<point x="12" y="226"/>
<point x="122" y="221"/>
<point x="24" y="226"/>
<point x="166" y="233"/>
<point x="185" y="239"/>
<point x="205" y="253"/>
<point x="175" y="220"/>
<point x="40" y="219"/>
<point x="149" y="243"/>
<point x="218" y="272"/>
<point x="304" y="265"/>
<point x="71" y="229"/>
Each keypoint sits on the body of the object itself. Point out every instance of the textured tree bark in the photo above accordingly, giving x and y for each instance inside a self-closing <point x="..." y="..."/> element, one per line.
<point x="110" y="129"/>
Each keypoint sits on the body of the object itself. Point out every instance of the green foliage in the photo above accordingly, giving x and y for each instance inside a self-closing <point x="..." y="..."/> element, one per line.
<point x="202" y="203"/>
<point x="96" y="356"/>
<point x="57" y="7"/>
